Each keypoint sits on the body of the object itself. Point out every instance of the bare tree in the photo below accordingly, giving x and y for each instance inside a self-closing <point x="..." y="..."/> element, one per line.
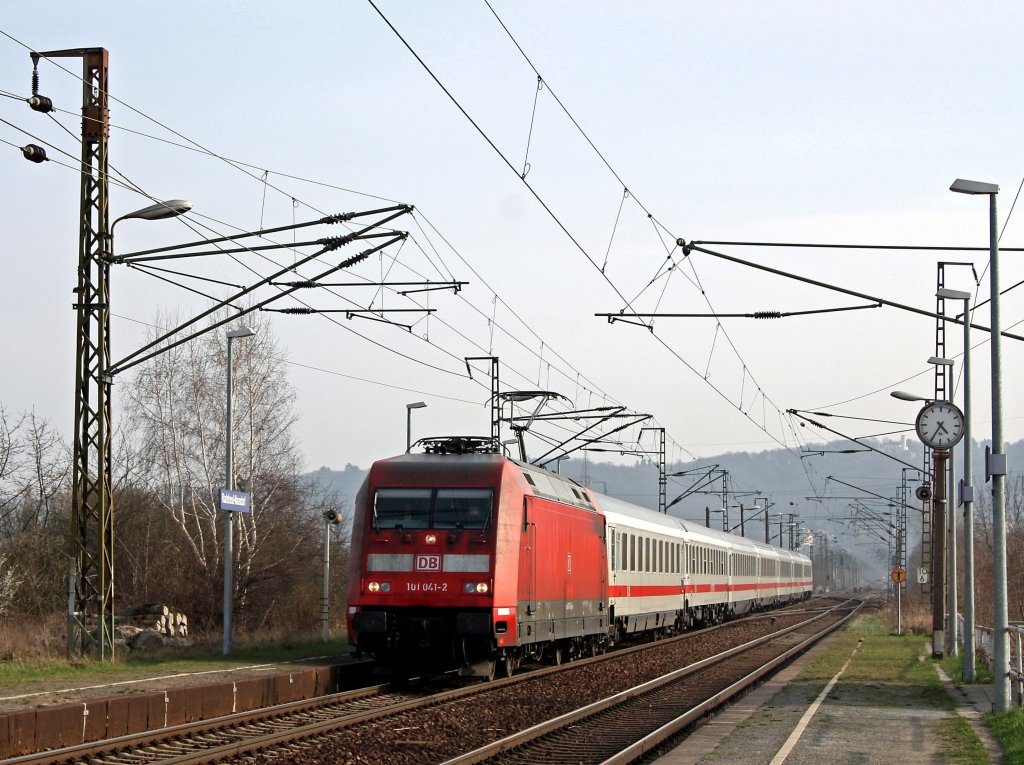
<point x="177" y="410"/>
<point x="34" y="504"/>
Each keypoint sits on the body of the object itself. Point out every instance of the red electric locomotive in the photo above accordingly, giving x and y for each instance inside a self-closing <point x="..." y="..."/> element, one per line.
<point x="466" y="559"/>
<point x="474" y="562"/>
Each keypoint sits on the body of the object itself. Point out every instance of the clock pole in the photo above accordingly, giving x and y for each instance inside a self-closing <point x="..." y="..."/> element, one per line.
<point x="938" y="551"/>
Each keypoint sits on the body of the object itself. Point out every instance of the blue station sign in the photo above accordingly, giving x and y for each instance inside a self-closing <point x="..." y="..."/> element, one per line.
<point x="235" y="501"/>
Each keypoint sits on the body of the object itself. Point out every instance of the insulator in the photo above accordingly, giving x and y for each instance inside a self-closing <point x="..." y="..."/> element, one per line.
<point x="298" y="310"/>
<point x="354" y="259"/>
<point x="41" y="104"/>
<point x="35" y="74"/>
<point x="767" y="314"/>
<point x="334" y="242"/>
<point x="339" y="217"/>
<point x="302" y="284"/>
<point x="33" y="153"/>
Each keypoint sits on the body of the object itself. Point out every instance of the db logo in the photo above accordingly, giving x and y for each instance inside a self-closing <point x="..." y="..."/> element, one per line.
<point x="428" y="563"/>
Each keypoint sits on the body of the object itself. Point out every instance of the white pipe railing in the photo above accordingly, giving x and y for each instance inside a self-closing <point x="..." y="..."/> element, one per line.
<point x="985" y="646"/>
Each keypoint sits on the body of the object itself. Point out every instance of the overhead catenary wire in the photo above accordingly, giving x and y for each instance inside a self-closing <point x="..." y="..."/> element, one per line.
<point x="207" y="151"/>
<point x="134" y="187"/>
<point x="550" y="212"/>
<point x="210" y="152"/>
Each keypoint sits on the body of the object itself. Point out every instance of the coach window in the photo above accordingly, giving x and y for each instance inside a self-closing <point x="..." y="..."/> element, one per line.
<point x="632" y="552"/>
<point x="462" y="509"/>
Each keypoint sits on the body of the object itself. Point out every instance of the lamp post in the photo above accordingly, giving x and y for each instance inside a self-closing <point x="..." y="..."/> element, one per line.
<point x="996" y="461"/>
<point x="408" y="423"/>
<point x="967" y="487"/>
<point x="229" y="484"/>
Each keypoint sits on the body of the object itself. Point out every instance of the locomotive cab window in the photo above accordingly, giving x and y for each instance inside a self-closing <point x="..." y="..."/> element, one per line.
<point x="462" y="508"/>
<point x="402" y="509"/>
<point x="432" y="508"/>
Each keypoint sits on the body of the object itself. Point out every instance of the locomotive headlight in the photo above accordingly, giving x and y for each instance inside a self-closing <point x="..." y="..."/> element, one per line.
<point x="478" y="588"/>
<point x="379" y="586"/>
<point x="481" y="587"/>
<point x="430" y="539"/>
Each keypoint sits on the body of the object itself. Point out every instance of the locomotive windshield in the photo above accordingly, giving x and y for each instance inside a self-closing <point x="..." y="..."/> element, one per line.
<point x="432" y="508"/>
<point x="462" y="508"/>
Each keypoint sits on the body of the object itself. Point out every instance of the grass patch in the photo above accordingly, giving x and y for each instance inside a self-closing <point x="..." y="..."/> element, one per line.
<point x="954" y="667"/>
<point x="1008" y="728"/>
<point x="197" y="658"/>
<point x="959" y="744"/>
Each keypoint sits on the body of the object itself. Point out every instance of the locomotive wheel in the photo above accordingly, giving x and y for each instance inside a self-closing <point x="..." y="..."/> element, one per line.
<point x="507" y="666"/>
<point x="556" y="655"/>
<point x="491" y="670"/>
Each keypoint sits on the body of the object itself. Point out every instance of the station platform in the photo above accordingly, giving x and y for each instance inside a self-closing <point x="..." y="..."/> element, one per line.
<point x="839" y="722"/>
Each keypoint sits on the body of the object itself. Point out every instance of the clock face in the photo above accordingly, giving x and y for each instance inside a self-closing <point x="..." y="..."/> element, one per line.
<point x="940" y="425"/>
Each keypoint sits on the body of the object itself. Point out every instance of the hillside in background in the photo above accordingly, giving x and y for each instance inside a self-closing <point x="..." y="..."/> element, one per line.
<point x="821" y="486"/>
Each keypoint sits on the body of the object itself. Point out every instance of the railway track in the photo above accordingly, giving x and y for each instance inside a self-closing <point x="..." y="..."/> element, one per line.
<point x="203" y="741"/>
<point x="385" y="724"/>
<point x="628" y="726"/>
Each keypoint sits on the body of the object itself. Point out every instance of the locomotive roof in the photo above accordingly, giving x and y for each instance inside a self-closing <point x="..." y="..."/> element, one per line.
<point x="557" y="487"/>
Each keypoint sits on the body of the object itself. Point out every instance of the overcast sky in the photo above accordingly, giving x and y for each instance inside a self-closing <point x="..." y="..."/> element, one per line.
<point x="744" y="121"/>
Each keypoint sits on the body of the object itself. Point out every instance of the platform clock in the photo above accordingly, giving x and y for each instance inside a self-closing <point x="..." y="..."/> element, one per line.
<point x="940" y="425"/>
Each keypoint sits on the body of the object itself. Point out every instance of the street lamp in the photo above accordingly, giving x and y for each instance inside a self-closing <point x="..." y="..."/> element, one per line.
<point x="408" y="423"/>
<point x="996" y="461"/>
<point x="169" y="209"/>
<point x="902" y="395"/>
<point x="229" y="484"/>
<point x="967" y="487"/>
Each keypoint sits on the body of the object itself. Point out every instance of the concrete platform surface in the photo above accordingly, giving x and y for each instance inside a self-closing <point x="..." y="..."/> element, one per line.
<point x="787" y="720"/>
